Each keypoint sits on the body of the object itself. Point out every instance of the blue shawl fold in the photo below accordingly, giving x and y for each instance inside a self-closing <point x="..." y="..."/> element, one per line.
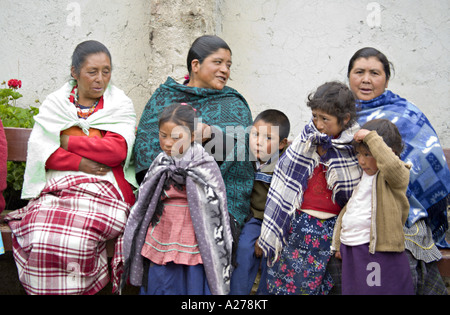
<point x="206" y="196"/>
<point x="430" y="177"/>
<point x="291" y="177"/>
<point x="219" y="108"/>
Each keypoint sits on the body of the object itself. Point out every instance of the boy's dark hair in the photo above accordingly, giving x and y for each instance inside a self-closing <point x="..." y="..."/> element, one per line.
<point x="388" y="131"/>
<point x="181" y="114"/>
<point x="276" y="118"/>
<point x="336" y="99"/>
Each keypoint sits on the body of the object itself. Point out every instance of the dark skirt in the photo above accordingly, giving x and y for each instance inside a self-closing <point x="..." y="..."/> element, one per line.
<point x="382" y="273"/>
<point x="174" y="279"/>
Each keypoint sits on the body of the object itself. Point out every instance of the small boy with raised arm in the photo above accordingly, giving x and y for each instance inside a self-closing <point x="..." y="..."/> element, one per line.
<point x="268" y="141"/>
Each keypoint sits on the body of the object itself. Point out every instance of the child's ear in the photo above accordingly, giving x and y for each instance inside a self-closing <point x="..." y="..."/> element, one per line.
<point x="346" y="119"/>
<point x="283" y="144"/>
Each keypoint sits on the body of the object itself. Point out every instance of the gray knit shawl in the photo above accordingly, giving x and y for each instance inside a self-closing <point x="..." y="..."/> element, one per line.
<point x="207" y="201"/>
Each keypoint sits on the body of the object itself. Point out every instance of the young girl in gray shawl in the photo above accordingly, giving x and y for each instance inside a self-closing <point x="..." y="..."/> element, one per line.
<point x="178" y="239"/>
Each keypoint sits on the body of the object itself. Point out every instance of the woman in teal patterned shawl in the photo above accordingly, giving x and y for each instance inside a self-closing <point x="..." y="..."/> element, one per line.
<point x="429" y="187"/>
<point x="218" y="106"/>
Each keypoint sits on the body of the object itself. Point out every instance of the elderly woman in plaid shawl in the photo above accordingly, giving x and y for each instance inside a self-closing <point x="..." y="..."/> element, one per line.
<point x="310" y="185"/>
<point x="79" y="178"/>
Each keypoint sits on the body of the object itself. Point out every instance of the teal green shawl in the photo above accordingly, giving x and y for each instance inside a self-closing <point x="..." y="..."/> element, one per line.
<point x="219" y="108"/>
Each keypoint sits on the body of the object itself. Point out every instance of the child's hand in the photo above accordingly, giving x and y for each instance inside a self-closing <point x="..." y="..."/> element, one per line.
<point x="361" y="134"/>
<point x="202" y="133"/>
<point x="258" y="250"/>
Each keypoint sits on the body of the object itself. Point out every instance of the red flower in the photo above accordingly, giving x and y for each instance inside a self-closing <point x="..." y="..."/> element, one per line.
<point x="15" y="84"/>
<point x="291" y="287"/>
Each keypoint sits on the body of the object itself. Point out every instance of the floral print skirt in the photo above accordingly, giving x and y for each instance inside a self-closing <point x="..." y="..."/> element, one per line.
<point x="301" y="268"/>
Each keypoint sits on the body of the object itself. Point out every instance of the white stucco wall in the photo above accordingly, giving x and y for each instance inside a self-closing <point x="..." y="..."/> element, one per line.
<point x="148" y="41"/>
<point x="284" y="49"/>
<point x="38" y="39"/>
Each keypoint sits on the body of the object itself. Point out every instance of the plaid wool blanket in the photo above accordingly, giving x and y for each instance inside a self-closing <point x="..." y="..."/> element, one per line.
<point x="59" y="239"/>
<point x="291" y="176"/>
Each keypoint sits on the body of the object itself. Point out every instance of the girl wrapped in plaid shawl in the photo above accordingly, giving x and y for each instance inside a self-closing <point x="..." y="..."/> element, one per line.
<point x="295" y="240"/>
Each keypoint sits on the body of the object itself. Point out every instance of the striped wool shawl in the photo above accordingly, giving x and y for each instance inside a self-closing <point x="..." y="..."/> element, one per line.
<point x="291" y="176"/>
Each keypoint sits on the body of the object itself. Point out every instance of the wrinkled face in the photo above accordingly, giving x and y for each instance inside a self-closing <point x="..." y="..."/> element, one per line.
<point x="264" y="140"/>
<point x="214" y="72"/>
<point x="367" y="79"/>
<point x="366" y="160"/>
<point x="326" y="123"/>
<point x="174" y="139"/>
<point x="93" y="78"/>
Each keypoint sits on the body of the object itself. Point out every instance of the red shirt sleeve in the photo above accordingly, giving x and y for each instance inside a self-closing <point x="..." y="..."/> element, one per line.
<point x="61" y="160"/>
<point x="110" y="150"/>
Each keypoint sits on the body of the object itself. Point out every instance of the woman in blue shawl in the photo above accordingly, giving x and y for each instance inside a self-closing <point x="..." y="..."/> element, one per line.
<point x="428" y="191"/>
<point x="224" y="113"/>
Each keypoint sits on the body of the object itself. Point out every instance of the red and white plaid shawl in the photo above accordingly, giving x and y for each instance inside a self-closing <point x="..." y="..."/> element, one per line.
<point x="59" y="239"/>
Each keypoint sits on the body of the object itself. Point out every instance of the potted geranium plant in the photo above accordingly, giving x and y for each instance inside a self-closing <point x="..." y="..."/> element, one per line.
<point x="14" y="116"/>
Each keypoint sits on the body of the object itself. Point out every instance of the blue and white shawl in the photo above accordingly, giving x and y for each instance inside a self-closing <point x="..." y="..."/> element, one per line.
<point x="291" y="176"/>
<point x="430" y="177"/>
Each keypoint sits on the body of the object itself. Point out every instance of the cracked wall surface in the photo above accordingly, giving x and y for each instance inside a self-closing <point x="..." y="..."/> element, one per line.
<point x="282" y="49"/>
<point x="148" y="41"/>
<point x="38" y="39"/>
